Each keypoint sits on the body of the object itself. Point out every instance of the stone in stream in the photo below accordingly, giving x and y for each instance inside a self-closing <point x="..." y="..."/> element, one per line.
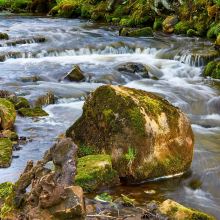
<point x="4" y="36"/>
<point x="134" y="68"/>
<point x="52" y="194"/>
<point x="47" y="99"/>
<point x="7" y="114"/>
<point x="145" y="135"/>
<point x="76" y="74"/>
<point x="212" y="69"/>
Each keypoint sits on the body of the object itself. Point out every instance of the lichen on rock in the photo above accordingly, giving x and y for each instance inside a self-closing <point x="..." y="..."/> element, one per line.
<point x="116" y="119"/>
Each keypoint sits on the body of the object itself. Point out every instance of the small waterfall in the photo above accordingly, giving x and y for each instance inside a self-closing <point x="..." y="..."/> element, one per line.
<point x="107" y="50"/>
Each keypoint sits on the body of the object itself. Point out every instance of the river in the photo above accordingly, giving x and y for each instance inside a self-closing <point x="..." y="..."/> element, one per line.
<point x="98" y="50"/>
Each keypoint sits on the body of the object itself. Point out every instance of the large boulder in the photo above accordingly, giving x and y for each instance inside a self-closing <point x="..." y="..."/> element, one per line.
<point x="145" y="135"/>
<point x="7" y="114"/>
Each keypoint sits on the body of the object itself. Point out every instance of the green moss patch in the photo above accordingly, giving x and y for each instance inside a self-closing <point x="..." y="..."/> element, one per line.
<point x="6" y="189"/>
<point x="5" y="152"/>
<point x="32" y="112"/>
<point x="94" y="171"/>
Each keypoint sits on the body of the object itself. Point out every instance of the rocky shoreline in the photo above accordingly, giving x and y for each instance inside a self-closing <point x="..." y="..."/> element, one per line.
<point x="113" y="116"/>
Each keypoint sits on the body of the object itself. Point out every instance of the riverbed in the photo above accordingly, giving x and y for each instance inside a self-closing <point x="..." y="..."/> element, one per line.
<point x="176" y="62"/>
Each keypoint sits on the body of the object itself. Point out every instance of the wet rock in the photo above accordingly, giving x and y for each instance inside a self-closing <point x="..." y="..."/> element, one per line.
<point x="94" y="171"/>
<point x="4" y="36"/>
<point x="145" y="135"/>
<point x="5" y="152"/>
<point x="31" y="79"/>
<point x="5" y="94"/>
<point x="32" y="112"/>
<point x="169" y="23"/>
<point x="177" y="211"/>
<point x="47" y="99"/>
<point x="75" y="74"/>
<point x="41" y="6"/>
<point x="7" y="114"/>
<point x="52" y="194"/>
<point x="133" y="68"/>
<point x="140" y="32"/>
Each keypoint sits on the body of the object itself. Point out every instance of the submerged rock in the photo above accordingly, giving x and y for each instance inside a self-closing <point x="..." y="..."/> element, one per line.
<point x="140" y="32"/>
<point x="75" y="74"/>
<point x="169" y="23"/>
<point x="177" y="211"/>
<point x="133" y="68"/>
<point x="94" y="171"/>
<point x="5" y="152"/>
<point x="32" y="112"/>
<point x="145" y="135"/>
<point x="7" y="114"/>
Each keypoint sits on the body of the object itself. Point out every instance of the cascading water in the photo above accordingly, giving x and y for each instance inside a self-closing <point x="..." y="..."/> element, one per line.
<point x="99" y="50"/>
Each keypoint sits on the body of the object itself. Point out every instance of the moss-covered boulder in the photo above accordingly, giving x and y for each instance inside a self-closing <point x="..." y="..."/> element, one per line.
<point x="5" y="152"/>
<point x="176" y="211"/>
<point x="169" y="23"/>
<point x="212" y="69"/>
<point x="94" y="171"/>
<point x="145" y="135"/>
<point x="7" y="114"/>
<point x="32" y="112"/>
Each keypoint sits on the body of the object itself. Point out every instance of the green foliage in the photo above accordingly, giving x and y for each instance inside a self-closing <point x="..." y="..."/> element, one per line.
<point x="4" y="210"/>
<point x="157" y="24"/>
<point x="130" y="155"/>
<point x="213" y="31"/>
<point x="182" y="27"/>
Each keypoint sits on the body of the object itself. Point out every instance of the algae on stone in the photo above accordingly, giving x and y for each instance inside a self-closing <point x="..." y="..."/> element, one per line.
<point x="94" y="171"/>
<point x="5" y="152"/>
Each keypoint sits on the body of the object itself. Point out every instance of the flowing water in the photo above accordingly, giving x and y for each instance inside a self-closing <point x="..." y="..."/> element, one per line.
<point x="98" y="50"/>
